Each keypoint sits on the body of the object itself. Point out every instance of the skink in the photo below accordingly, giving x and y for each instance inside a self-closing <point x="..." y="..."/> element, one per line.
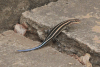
<point x="53" y="33"/>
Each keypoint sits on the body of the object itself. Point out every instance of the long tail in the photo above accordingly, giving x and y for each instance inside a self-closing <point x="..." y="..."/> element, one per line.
<point x="32" y="48"/>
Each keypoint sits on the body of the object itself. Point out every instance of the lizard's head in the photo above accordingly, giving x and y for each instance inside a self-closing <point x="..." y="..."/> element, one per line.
<point x="75" y="20"/>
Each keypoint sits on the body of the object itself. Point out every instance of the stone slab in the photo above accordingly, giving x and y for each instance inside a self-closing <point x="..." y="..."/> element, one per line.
<point x="45" y="57"/>
<point x="86" y="32"/>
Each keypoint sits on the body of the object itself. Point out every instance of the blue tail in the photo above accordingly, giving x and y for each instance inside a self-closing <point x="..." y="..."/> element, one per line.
<point x="32" y="48"/>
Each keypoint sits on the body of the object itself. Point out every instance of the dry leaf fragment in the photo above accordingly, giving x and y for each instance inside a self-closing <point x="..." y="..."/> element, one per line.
<point x="20" y="28"/>
<point x="85" y="60"/>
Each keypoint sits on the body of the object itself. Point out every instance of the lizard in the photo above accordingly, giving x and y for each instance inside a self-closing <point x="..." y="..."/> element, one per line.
<point x="53" y="33"/>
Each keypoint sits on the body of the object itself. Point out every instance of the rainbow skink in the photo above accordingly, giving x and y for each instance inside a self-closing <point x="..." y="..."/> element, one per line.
<point x="53" y="33"/>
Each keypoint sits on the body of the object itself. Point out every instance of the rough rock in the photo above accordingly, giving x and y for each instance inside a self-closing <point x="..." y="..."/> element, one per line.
<point x="10" y="42"/>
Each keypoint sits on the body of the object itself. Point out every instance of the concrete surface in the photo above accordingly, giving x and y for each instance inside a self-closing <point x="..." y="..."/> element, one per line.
<point x="87" y="32"/>
<point x="46" y="57"/>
